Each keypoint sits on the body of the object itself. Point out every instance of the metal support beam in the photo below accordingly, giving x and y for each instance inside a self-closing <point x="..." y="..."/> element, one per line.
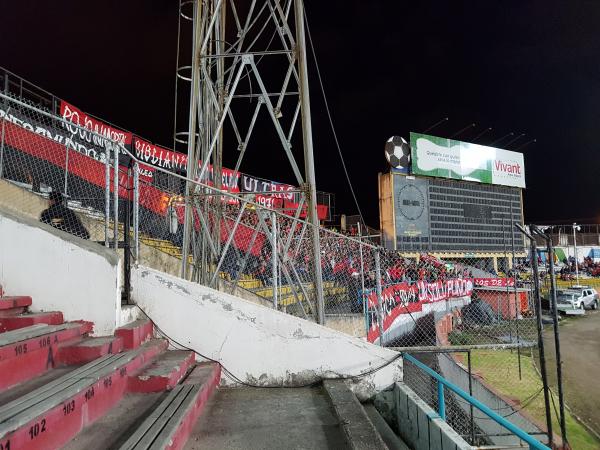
<point x="192" y="164"/>
<point x="309" y="162"/>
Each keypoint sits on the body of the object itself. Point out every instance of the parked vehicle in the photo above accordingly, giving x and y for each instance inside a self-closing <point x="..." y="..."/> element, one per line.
<point x="577" y="297"/>
<point x="589" y="296"/>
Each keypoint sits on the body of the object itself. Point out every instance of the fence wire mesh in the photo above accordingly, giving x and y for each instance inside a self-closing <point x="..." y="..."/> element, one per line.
<point x="62" y="164"/>
<point x="266" y="255"/>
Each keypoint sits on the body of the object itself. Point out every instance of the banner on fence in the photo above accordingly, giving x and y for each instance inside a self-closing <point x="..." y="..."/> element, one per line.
<point x="158" y="156"/>
<point x="403" y="298"/>
<point x="290" y="209"/>
<point x="494" y="282"/>
<point x="270" y="188"/>
<point x="97" y="128"/>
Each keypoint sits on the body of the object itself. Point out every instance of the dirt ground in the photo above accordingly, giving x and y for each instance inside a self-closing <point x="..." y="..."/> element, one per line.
<point x="580" y="353"/>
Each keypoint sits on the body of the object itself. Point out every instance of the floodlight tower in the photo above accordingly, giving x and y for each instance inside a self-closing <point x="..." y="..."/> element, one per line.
<point x="242" y="51"/>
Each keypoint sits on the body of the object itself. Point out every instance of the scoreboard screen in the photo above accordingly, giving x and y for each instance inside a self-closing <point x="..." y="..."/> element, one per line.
<point x="432" y="214"/>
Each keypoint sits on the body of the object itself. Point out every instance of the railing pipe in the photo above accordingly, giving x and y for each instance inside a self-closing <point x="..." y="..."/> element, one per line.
<point x="533" y="443"/>
<point x="441" y="401"/>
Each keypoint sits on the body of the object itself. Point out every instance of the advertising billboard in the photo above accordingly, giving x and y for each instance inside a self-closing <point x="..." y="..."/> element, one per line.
<point x="446" y="158"/>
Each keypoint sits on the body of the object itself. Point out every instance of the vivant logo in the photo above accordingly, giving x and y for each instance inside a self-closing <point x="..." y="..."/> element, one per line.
<point x="508" y="167"/>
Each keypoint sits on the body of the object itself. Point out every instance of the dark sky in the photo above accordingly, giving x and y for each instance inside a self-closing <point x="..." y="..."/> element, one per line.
<point x="389" y="68"/>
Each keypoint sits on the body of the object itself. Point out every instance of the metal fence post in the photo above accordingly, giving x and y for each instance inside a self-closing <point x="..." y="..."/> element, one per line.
<point x="2" y="141"/>
<point x="363" y="297"/>
<point x="136" y="210"/>
<point x="379" y="299"/>
<point x="472" y="421"/>
<point x="65" y="191"/>
<point x="561" y="403"/>
<point x="538" y="313"/>
<point x="127" y="240"/>
<point x="274" y="257"/>
<point x="116" y="197"/>
<point x="3" y="123"/>
<point x="106" y="196"/>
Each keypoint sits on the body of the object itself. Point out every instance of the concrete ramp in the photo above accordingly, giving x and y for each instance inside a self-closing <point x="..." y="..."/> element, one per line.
<point x="258" y="345"/>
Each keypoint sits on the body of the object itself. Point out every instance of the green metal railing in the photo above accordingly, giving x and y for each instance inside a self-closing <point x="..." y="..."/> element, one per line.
<point x="442" y="382"/>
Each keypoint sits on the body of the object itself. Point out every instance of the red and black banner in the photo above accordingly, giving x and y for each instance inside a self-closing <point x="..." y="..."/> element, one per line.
<point x="403" y="298"/>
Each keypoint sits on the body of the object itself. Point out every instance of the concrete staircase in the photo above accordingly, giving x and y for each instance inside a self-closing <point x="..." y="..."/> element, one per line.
<point x="62" y="388"/>
<point x="59" y="387"/>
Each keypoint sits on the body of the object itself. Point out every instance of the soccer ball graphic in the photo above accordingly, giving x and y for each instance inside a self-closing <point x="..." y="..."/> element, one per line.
<point x="397" y="152"/>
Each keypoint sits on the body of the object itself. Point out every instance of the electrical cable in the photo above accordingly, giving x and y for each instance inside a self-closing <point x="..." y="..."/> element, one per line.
<point x="229" y="374"/>
<point x="337" y="143"/>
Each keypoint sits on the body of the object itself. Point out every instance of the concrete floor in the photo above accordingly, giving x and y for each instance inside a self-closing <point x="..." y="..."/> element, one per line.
<point x="580" y="353"/>
<point x="254" y="418"/>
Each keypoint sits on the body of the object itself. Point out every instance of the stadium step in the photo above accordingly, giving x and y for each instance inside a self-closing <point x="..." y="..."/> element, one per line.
<point x="57" y="382"/>
<point x="135" y="333"/>
<point x="358" y="429"/>
<point x="12" y="306"/>
<point x="172" y="421"/>
<point x="27" y="319"/>
<point x="30" y="351"/>
<point x="89" y="349"/>
<point x="51" y="415"/>
<point x="163" y="373"/>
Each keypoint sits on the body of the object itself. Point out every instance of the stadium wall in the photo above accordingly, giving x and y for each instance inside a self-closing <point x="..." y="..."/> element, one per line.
<point x="60" y="271"/>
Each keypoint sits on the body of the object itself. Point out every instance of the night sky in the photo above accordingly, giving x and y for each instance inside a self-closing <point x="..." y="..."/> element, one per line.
<point x="389" y="68"/>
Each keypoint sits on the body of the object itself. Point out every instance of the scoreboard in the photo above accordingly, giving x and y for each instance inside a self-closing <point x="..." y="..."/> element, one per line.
<point x="445" y="215"/>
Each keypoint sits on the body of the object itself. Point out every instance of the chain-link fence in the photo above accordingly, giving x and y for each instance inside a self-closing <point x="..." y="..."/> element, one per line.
<point x="265" y="253"/>
<point x="500" y="378"/>
<point x="62" y="166"/>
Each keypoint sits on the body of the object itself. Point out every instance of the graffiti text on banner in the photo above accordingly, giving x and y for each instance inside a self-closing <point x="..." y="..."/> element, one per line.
<point x="494" y="282"/>
<point x="403" y="298"/>
<point x="91" y="129"/>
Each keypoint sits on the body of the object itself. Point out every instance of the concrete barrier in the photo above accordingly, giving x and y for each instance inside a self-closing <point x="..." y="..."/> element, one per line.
<point x="416" y="422"/>
<point x="60" y="271"/>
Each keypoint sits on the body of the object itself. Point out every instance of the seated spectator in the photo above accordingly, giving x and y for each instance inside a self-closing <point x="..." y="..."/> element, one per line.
<point x="62" y="218"/>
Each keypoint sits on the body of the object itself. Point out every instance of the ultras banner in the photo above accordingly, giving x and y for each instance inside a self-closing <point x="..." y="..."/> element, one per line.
<point x="98" y="128"/>
<point x="270" y="188"/>
<point x="158" y="156"/>
<point x="403" y="298"/>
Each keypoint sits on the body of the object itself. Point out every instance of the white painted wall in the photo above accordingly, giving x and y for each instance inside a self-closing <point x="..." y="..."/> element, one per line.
<point x="60" y="272"/>
<point x="257" y="344"/>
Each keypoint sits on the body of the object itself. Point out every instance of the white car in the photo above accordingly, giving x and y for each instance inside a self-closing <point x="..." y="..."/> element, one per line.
<point x="588" y="294"/>
<point x="579" y="297"/>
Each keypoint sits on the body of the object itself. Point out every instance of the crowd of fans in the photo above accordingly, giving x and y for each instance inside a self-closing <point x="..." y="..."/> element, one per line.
<point x="342" y="259"/>
<point x="587" y="267"/>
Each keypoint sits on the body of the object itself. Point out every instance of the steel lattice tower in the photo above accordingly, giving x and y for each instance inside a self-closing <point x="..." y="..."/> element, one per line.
<point x="243" y="50"/>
